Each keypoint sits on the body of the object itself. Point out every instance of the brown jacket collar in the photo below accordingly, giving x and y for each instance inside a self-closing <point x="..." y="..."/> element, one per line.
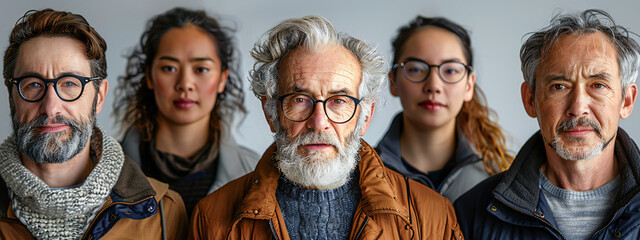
<point x="378" y="195"/>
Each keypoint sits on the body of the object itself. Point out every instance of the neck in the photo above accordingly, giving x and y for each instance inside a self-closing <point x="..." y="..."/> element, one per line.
<point x="427" y="149"/>
<point x="581" y="175"/>
<point x="182" y="140"/>
<point x="66" y="174"/>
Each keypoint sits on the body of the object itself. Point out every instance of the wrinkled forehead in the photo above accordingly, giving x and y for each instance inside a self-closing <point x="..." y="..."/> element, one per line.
<point x="327" y="71"/>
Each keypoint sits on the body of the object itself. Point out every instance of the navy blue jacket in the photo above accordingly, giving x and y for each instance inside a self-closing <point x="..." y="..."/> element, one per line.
<point x="509" y="205"/>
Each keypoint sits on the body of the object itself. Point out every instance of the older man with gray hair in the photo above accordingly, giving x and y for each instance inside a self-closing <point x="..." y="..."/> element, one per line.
<point x="579" y="176"/>
<point x="320" y="180"/>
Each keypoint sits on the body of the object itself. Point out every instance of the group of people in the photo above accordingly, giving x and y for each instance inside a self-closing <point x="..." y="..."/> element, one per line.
<point x="178" y="173"/>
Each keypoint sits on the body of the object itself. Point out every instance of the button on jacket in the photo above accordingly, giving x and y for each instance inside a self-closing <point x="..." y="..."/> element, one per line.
<point x="510" y="205"/>
<point x="132" y="211"/>
<point x="391" y="207"/>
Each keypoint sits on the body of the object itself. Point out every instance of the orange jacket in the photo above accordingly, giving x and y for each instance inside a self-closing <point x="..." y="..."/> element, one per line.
<point x="391" y="207"/>
<point x="131" y="211"/>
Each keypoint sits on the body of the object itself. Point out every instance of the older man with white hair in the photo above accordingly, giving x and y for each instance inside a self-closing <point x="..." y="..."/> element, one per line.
<point x="320" y="180"/>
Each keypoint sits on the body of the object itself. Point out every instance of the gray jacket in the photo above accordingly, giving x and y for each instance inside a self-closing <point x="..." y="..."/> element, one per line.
<point x="234" y="160"/>
<point x="468" y="170"/>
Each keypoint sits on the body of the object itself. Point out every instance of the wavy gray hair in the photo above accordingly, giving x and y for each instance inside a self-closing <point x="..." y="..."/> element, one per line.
<point x="313" y="33"/>
<point x="539" y="44"/>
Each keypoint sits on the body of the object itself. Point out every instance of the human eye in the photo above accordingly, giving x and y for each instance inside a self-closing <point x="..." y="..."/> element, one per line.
<point x="599" y="85"/>
<point x="168" y="69"/>
<point x="558" y="86"/>
<point x="202" y="69"/>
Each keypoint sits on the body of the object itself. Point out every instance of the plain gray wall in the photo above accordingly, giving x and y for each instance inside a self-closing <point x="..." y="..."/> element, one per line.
<point x="497" y="29"/>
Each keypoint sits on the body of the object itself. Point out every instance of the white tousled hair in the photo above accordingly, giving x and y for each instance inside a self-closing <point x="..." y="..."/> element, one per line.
<point x="313" y="33"/>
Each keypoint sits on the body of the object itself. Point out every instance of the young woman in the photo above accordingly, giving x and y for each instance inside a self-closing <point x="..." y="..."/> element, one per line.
<point x="444" y="138"/>
<point x="177" y="99"/>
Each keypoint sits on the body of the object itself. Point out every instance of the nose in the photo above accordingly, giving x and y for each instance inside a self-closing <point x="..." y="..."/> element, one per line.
<point x="185" y="82"/>
<point x="51" y="104"/>
<point x="578" y="104"/>
<point x="318" y="119"/>
<point x="433" y="83"/>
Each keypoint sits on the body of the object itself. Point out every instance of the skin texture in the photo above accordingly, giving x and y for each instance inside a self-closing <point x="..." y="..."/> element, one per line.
<point x="51" y="57"/>
<point x="430" y="107"/>
<point x="580" y="78"/>
<point x="186" y="77"/>
<point x="321" y="74"/>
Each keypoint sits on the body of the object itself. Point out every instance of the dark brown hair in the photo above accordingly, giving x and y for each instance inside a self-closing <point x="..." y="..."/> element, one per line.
<point x="135" y="103"/>
<point x="51" y="23"/>
<point x="475" y="117"/>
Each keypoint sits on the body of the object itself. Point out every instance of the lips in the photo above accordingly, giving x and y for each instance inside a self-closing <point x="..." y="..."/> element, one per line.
<point x="54" y="127"/>
<point x="184" y="103"/>
<point x="431" y="105"/>
<point x="578" y="131"/>
<point x="317" y="146"/>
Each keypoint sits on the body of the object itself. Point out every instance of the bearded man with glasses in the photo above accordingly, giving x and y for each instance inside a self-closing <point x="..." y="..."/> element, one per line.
<point x="61" y="176"/>
<point x="320" y="180"/>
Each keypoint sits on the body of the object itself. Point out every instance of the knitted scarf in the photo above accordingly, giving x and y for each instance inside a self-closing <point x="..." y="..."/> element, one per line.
<point x="60" y="213"/>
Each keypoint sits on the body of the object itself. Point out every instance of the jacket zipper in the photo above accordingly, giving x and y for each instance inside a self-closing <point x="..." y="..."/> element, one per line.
<point x="536" y="217"/>
<point x="273" y="230"/>
<point x="614" y="216"/>
<point x="366" y="219"/>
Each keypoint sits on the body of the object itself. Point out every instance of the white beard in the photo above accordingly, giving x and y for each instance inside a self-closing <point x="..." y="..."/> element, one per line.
<point x="316" y="170"/>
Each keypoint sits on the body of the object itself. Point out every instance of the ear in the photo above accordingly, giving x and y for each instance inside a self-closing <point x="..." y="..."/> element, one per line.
<point x="527" y="99"/>
<point x="367" y="121"/>
<point x="471" y="84"/>
<point x="102" y="94"/>
<point x="628" y="101"/>
<point x="393" y="87"/>
<point x="263" y="101"/>
<point x="224" y="75"/>
<point x="147" y="79"/>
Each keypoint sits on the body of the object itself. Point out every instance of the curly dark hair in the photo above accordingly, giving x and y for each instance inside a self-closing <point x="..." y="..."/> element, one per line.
<point x="135" y="104"/>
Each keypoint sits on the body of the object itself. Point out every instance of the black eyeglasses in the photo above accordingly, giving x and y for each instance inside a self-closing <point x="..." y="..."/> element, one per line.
<point x="299" y="107"/>
<point x="69" y="87"/>
<point x="417" y="71"/>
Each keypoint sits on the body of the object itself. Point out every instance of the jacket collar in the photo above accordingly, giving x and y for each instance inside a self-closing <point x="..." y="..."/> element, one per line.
<point x="389" y="148"/>
<point x="519" y="185"/>
<point x="378" y="195"/>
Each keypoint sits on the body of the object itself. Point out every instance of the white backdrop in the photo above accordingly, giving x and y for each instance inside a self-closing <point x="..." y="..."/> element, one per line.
<point x="497" y="30"/>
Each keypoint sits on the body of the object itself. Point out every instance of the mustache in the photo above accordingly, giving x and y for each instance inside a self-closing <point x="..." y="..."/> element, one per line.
<point x="583" y="121"/>
<point x="58" y="119"/>
<point x="317" y="137"/>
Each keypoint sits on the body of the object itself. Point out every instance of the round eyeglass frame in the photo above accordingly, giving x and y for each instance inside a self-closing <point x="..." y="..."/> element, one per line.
<point x="83" y="81"/>
<point x="402" y="64"/>
<point x="324" y="106"/>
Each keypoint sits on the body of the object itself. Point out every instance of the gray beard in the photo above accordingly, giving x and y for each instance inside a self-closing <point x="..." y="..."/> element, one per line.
<point x="315" y="170"/>
<point x="588" y="153"/>
<point x="47" y="147"/>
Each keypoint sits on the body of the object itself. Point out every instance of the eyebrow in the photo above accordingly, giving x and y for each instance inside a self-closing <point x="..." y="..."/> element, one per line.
<point x="197" y="59"/>
<point x="444" y="61"/>
<point x="297" y="89"/>
<point x="603" y="75"/>
<point x="60" y="74"/>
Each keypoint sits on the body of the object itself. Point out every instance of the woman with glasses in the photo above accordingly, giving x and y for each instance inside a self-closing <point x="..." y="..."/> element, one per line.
<point x="445" y="137"/>
<point x="178" y="97"/>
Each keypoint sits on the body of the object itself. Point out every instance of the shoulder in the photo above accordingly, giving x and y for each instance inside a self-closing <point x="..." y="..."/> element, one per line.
<point x="471" y="206"/>
<point x="231" y="194"/>
<point x="172" y="209"/>
<point x="215" y="212"/>
<point x="425" y="199"/>
<point x="482" y="191"/>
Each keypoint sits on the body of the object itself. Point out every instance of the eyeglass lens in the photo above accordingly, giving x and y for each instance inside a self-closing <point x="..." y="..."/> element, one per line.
<point x="416" y="71"/>
<point x="300" y="107"/>
<point x="68" y="88"/>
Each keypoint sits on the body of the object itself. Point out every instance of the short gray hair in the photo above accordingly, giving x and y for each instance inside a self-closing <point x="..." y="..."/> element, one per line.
<point x="540" y="43"/>
<point x="311" y="32"/>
